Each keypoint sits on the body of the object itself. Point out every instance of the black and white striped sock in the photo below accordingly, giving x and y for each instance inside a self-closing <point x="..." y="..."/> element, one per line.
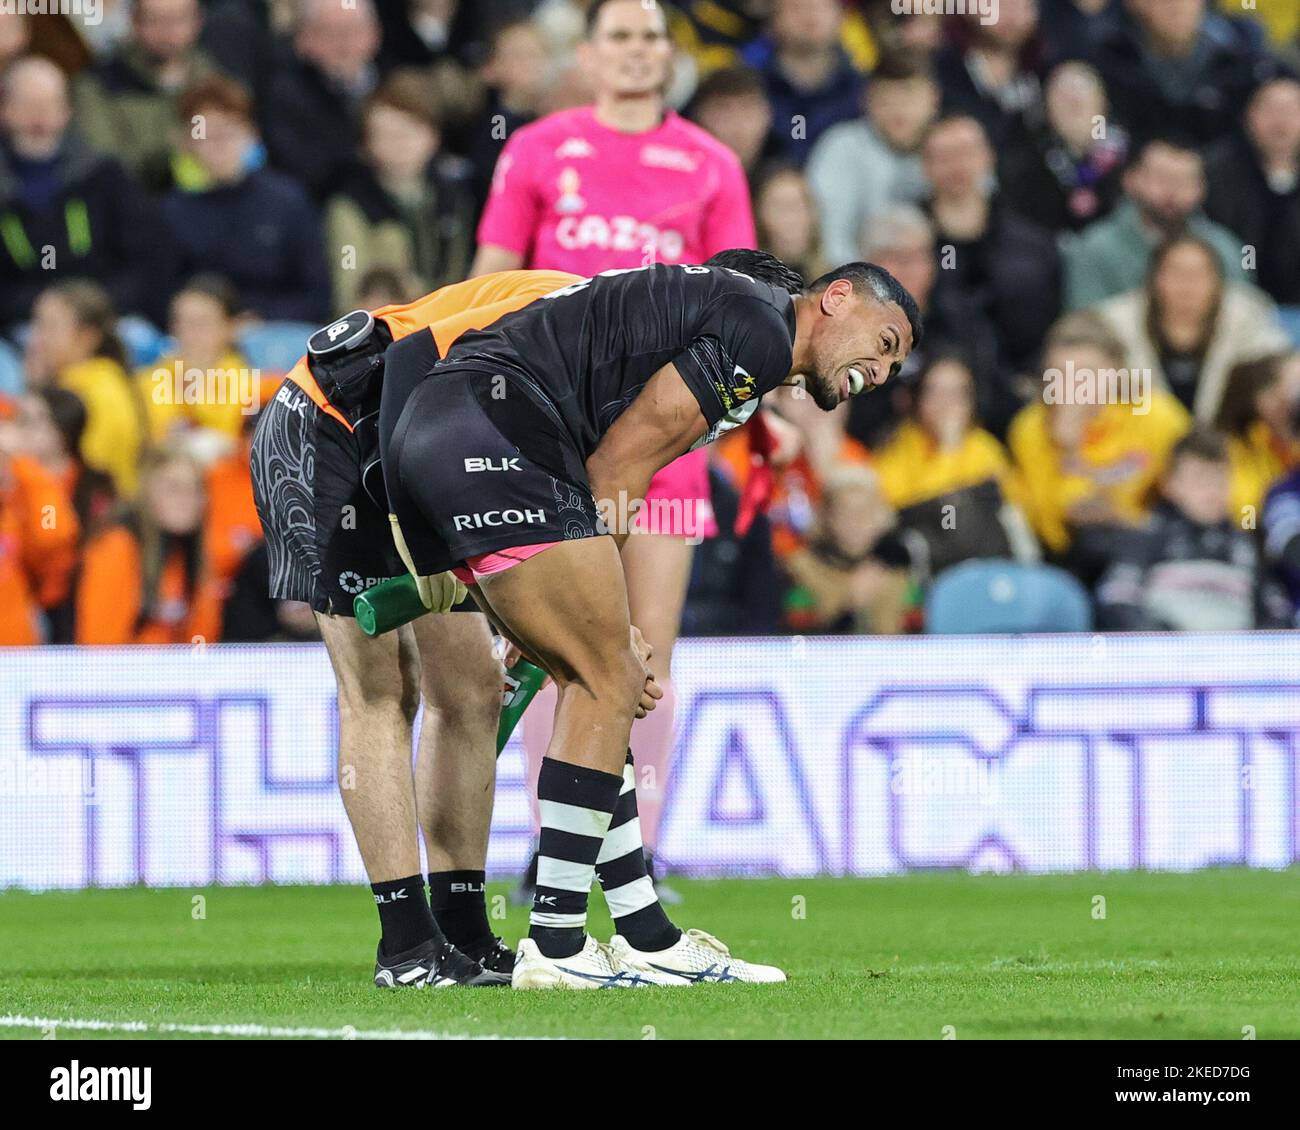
<point x="621" y="868"/>
<point x="576" y="805"/>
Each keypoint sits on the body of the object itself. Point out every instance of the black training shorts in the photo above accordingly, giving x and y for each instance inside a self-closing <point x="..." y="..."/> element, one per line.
<point x="326" y="540"/>
<point x="473" y="466"/>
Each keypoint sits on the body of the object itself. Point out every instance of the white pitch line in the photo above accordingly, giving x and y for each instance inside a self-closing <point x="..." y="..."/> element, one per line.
<point x="238" y="1030"/>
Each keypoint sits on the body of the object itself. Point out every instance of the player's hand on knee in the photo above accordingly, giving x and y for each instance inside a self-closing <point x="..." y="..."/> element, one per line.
<point x="640" y="647"/>
<point x="441" y="592"/>
<point x="651" y="693"/>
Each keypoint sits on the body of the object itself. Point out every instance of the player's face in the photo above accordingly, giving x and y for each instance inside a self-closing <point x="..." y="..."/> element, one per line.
<point x="855" y="345"/>
<point x="629" y="51"/>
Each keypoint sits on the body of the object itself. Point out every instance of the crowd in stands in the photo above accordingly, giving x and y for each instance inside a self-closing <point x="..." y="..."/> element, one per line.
<point x="1096" y="204"/>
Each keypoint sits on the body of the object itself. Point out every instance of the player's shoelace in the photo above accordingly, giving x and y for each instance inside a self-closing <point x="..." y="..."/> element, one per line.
<point x="612" y="971"/>
<point x="708" y="958"/>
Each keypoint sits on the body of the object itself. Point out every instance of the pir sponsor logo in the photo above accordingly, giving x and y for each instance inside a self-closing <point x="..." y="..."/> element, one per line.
<point x="354" y="584"/>
<point x="102" y="1084"/>
<point x="499" y="518"/>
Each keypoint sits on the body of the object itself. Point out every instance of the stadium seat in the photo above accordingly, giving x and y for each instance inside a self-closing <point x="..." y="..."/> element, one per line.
<point x="1290" y="317"/>
<point x="145" y="343"/>
<point x="275" y="347"/>
<point x="1004" y="596"/>
<point x="11" y="370"/>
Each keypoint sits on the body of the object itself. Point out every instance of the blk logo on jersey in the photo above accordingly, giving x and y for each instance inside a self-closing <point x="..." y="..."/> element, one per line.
<point x="474" y="465"/>
<point x="498" y="518"/>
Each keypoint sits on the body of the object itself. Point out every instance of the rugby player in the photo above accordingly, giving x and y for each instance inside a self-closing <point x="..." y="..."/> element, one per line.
<point x="620" y="183"/>
<point x="318" y="488"/>
<point x="494" y="465"/>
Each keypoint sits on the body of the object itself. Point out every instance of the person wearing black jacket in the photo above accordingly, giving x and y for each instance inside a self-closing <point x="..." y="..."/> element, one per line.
<point x="1254" y="186"/>
<point x="65" y="207"/>
<point x="1192" y="567"/>
<point x="311" y="110"/>
<point x="1177" y="62"/>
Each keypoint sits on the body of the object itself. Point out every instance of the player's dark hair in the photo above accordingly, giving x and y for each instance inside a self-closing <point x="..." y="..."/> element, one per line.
<point x="867" y="278"/>
<point x="759" y="265"/>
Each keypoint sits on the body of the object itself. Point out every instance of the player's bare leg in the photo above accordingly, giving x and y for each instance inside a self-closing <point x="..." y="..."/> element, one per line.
<point x="455" y="775"/>
<point x="378" y="694"/>
<point x="567" y="608"/>
<point x="658" y="571"/>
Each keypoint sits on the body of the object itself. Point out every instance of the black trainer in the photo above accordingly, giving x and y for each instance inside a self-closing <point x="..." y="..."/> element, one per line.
<point x="433" y="964"/>
<point x="491" y="953"/>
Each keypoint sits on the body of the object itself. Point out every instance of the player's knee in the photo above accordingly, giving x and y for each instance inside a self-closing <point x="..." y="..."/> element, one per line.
<point x="474" y="693"/>
<point x="365" y="695"/>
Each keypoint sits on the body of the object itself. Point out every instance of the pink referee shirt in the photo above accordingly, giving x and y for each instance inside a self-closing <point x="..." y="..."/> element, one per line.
<point x="570" y="194"/>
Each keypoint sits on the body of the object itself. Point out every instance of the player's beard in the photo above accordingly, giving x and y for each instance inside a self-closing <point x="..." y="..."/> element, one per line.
<point x="823" y="391"/>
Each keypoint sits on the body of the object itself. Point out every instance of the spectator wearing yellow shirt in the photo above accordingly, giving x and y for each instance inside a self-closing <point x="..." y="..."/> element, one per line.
<point x="74" y="345"/>
<point x="199" y="385"/>
<point x="951" y="481"/>
<point x="1258" y="416"/>
<point x="1090" y="457"/>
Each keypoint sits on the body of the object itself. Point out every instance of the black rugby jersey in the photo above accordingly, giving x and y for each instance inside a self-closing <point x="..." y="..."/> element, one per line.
<point x="585" y="352"/>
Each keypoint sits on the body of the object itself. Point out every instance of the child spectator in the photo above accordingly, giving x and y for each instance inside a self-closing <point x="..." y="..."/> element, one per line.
<point x="74" y="345"/>
<point x="407" y="205"/>
<point x="144" y="579"/>
<point x="785" y="214"/>
<point x="51" y="423"/>
<point x="1258" y="418"/>
<point x="1189" y="325"/>
<point x="176" y="390"/>
<point x="38" y="540"/>
<point x="1089" y="461"/>
<point x="229" y="216"/>
<point x="853" y="576"/>
<point x="1190" y="567"/>
<point x="951" y="482"/>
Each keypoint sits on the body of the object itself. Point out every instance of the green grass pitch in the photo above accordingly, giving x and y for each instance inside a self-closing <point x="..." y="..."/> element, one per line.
<point x="1204" y="955"/>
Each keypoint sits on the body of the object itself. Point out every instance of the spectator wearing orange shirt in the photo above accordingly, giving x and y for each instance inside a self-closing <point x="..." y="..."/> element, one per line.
<point x="821" y="444"/>
<point x="38" y="541"/>
<point x="144" y="579"/>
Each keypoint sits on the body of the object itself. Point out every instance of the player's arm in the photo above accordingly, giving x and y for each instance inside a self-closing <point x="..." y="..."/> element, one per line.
<point x="658" y="426"/>
<point x="490" y="259"/>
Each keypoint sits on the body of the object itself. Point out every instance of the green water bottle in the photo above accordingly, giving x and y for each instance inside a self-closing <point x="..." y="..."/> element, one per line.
<point x="388" y="605"/>
<point x="523" y="681"/>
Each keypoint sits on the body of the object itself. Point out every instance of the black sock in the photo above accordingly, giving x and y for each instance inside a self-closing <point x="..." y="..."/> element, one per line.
<point x="404" y="916"/>
<point x="576" y="804"/>
<point x="458" y="900"/>
<point x="621" y="867"/>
